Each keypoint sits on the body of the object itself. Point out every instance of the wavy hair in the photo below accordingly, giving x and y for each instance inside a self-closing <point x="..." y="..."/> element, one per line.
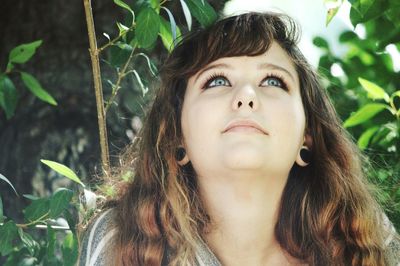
<point x="327" y="213"/>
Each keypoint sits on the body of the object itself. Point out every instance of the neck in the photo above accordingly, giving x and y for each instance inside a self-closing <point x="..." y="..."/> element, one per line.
<point x="243" y="211"/>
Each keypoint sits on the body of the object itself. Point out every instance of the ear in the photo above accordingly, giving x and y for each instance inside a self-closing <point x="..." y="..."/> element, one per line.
<point x="184" y="161"/>
<point x="304" y="154"/>
<point x="307" y="141"/>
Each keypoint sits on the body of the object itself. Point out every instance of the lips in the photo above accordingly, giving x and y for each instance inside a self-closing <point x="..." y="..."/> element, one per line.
<point x="244" y="125"/>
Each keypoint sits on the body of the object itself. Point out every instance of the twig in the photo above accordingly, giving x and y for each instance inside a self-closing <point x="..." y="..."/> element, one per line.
<point x="42" y="226"/>
<point x="163" y="2"/>
<point x="113" y="41"/>
<point x="101" y="115"/>
<point x="33" y="222"/>
<point x="121" y="75"/>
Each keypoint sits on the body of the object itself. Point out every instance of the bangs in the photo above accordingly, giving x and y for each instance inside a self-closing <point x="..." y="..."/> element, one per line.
<point x="248" y="34"/>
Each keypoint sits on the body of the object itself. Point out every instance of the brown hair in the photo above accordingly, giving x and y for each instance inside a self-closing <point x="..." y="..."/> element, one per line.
<point x="327" y="215"/>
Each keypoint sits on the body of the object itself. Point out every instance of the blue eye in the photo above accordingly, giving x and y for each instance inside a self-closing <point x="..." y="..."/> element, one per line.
<point x="274" y="82"/>
<point x="216" y="82"/>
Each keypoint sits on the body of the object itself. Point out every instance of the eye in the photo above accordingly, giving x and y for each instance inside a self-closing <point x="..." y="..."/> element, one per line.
<point x="274" y="81"/>
<point x="216" y="81"/>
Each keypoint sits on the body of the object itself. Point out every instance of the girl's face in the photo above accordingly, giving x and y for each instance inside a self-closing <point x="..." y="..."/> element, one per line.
<point x="244" y="114"/>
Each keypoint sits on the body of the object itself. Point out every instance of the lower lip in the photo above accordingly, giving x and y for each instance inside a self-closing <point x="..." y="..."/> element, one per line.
<point x="245" y="129"/>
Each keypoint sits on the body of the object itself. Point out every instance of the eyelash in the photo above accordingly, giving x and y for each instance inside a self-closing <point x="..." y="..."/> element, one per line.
<point x="211" y="78"/>
<point x="222" y="75"/>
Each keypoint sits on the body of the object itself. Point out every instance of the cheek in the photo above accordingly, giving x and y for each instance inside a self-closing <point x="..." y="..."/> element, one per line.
<point x="198" y="122"/>
<point x="289" y="121"/>
<point x="201" y="124"/>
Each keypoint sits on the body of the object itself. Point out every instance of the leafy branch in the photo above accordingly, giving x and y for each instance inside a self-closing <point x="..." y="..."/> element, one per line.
<point x="121" y="75"/>
<point x="116" y="39"/>
<point x="38" y="220"/>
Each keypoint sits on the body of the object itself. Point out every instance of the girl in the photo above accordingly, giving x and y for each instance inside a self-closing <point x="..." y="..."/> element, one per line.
<point x="242" y="161"/>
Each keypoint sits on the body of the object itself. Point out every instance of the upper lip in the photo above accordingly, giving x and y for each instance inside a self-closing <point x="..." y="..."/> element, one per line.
<point x="244" y="123"/>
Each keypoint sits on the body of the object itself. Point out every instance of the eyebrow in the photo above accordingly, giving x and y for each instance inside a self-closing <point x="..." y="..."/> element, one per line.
<point x="221" y="65"/>
<point x="273" y="66"/>
<point x="261" y="66"/>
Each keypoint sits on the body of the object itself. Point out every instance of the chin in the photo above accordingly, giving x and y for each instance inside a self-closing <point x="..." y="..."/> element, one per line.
<point x="244" y="160"/>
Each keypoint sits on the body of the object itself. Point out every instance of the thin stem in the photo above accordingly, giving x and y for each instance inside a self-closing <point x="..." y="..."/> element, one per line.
<point x="34" y="222"/>
<point x="121" y="75"/>
<point x="113" y="41"/>
<point x="101" y="116"/>
<point x="42" y="226"/>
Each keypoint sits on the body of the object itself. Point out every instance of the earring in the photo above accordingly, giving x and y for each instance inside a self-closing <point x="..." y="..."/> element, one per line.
<point x="304" y="156"/>
<point x="181" y="156"/>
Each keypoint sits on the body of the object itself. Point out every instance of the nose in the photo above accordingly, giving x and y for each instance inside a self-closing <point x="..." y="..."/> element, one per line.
<point x="245" y="97"/>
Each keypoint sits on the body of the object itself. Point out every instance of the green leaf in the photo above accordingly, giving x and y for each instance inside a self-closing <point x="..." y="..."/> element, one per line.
<point x="330" y="14"/>
<point x="63" y="170"/>
<point x="166" y="35"/>
<point x="10" y="67"/>
<point x="22" y="53"/>
<point x="139" y="80"/>
<point x="127" y="7"/>
<point x="365" y="137"/>
<point x="320" y="42"/>
<point x="119" y="53"/>
<point x="70" y="220"/>
<point x="365" y="113"/>
<point x="393" y="15"/>
<point x="51" y="241"/>
<point x="355" y="17"/>
<point x="172" y="22"/>
<point x="155" y="4"/>
<point x="392" y="102"/>
<point x="30" y="196"/>
<point x="383" y="131"/>
<point x="34" y="86"/>
<point x="70" y="249"/>
<point x="8" y="232"/>
<point x="2" y="177"/>
<point x="28" y="242"/>
<point x="362" y="6"/>
<point x="365" y="10"/>
<point x="8" y="96"/>
<point x="348" y="36"/>
<point x="374" y="91"/>
<point x="147" y="27"/>
<point x="203" y="12"/>
<point x="60" y="201"/>
<point x="187" y="14"/>
<point x="37" y="211"/>
<point x="122" y="28"/>
<point x="152" y="67"/>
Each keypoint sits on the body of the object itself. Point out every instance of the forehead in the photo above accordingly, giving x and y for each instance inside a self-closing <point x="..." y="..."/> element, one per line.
<point x="274" y="57"/>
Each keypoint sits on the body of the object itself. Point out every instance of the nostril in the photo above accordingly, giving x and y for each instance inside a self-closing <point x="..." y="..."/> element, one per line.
<point x="239" y="104"/>
<point x="251" y="104"/>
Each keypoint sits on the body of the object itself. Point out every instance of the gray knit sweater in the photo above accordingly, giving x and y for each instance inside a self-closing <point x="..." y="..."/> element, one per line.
<point x="97" y="240"/>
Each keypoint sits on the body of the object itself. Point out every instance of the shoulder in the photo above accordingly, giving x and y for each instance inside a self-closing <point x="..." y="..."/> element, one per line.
<point x="392" y="243"/>
<point x="97" y="240"/>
